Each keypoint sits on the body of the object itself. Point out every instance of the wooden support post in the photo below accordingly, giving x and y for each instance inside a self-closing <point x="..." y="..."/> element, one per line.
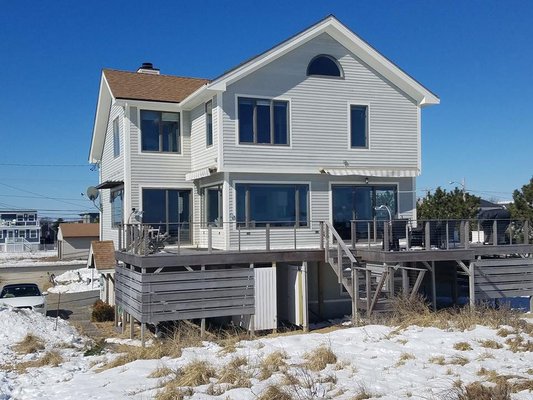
<point x="143" y="331"/>
<point x="467" y="234"/>
<point x="375" y="230"/>
<point x="239" y="237"/>
<point x="368" y="233"/>
<point x="294" y="237"/>
<point x="327" y="243"/>
<point x="433" y="286"/>
<point x="123" y="322"/>
<point x="472" y="284"/>
<point x="120" y="232"/>
<point x="427" y="236"/>
<point x="132" y="327"/>
<point x="209" y="239"/>
<point x="407" y="238"/>
<point x="495" y="233"/>
<point x="339" y="262"/>
<point x="525" y="230"/>
<point x="305" y="299"/>
<point x="390" y="283"/>
<point x="321" y="235"/>
<point x="202" y="328"/>
<point x="267" y="233"/>
<point x="381" y="282"/>
<point x="386" y="242"/>
<point x="447" y="235"/>
<point x="252" y="325"/>
<point x="405" y="282"/>
<point x="116" y="316"/>
<point x="462" y="232"/>
<point x="179" y="239"/>
<point x="352" y="233"/>
<point x="355" y="295"/>
<point x="417" y="284"/>
<point x="368" y="284"/>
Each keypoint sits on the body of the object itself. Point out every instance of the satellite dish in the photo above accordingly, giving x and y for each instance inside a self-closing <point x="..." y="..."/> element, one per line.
<point x="92" y="193"/>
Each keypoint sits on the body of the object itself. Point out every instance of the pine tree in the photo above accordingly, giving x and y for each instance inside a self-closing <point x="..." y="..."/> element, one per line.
<point x="448" y="205"/>
<point x="522" y="206"/>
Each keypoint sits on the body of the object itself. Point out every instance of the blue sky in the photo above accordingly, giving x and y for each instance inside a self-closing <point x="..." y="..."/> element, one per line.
<point x="476" y="55"/>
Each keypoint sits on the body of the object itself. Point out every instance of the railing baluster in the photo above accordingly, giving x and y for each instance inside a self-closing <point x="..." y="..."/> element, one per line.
<point x="294" y="236"/>
<point x="427" y="235"/>
<point x="339" y="261"/>
<point x="321" y="235"/>
<point x="447" y="235"/>
<point x="368" y="232"/>
<point x="495" y="233"/>
<point x="209" y="239"/>
<point x="179" y="238"/>
<point x="267" y="233"/>
<point x="525" y="230"/>
<point x="352" y="235"/>
<point x="467" y="234"/>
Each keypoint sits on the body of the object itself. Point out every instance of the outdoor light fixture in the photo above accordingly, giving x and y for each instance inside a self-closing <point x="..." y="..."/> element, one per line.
<point x="366" y="180"/>
<point x="384" y="207"/>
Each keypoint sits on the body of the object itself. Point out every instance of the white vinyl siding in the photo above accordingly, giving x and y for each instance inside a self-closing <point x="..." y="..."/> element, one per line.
<point x="202" y="156"/>
<point x="111" y="168"/>
<point x="319" y="115"/>
<point x="157" y="170"/>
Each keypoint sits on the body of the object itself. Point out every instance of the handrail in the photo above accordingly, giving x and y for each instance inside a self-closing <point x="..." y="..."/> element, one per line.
<point x="341" y="243"/>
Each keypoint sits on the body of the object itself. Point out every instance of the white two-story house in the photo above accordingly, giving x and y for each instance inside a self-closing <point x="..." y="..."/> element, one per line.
<point x="19" y="230"/>
<point x="320" y="127"/>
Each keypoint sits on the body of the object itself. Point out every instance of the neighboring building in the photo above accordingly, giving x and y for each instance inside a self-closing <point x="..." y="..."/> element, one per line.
<point x="320" y="127"/>
<point x="102" y="259"/>
<point x="90" y="217"/>
<point x="74" y="240"/>
<point x="19" y="230"/>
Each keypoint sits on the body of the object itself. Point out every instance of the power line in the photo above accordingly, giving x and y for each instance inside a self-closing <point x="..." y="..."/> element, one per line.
<point x="38" y="194"/>
<point x="38" y="197"/>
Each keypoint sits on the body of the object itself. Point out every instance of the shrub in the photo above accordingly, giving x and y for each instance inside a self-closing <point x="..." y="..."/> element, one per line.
<point x="30" y="344"/>
<point x="102" y="312"/>
<point x="319" y="358"/>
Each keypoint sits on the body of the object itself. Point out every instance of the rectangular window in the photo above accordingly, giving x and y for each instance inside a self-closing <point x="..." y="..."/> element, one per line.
<point x="33" y="234"/>
<point x="31" y="217"/>
<point x="277" y="205"/>
<point x="213" y="205"/>
<point x="1" y="234"/>
<point x="209" y="123"/>
<point x="160" y="131"/>
<point x="116" y="138"/>
<point x="22" y="234"/>
<point x="263" y="121"/>
<point x="168" y="210"/>
<point x="117" y="204"/>
<point x="358" y="126"/>
<point x="20" y="217"/>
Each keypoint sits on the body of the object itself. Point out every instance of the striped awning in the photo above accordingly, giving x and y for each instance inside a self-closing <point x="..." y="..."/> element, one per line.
<point x="200" y="173"/>
<point x="376" y="172"/>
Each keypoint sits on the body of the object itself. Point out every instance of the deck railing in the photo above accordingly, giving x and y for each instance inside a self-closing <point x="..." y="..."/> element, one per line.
<point x="379" y="234"/>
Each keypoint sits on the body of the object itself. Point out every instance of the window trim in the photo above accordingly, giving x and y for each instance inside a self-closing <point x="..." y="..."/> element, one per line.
<point x="116" y="138"/>
<point x="161" y="110"/>
<point x="233" y="189"/>
<point x="349" y="124"/>
<point x="272" y="99"/>
<point x="363" y="184"/>
<point x="34" y="234"/>
<point x="204" y="201"/>
<point x="341" y="70"/>
<point x="1" y="233"/>
<point x="208" y="134"/>
<point x="120" y="188"/>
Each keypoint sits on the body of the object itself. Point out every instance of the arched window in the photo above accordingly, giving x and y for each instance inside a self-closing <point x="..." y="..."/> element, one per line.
<point x="324" y="65"/>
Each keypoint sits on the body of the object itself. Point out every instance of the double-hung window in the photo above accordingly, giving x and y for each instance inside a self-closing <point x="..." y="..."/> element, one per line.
<point x="209" y="123"/>
<point x="263" y="121"/>
<point x="213" y="205"/>
<point x="117" y="205"/>
<point x="116" y="138"/>
<point x="160" y="131"/>
<point x="275" y="204"/>
<point x="33" y="234"/>
<point x="358" y="126"/>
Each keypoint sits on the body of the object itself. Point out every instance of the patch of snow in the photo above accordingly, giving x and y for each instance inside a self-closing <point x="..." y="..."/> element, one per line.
<point x="129" y="342"/>
<point x="373" y="357"/>
<point x="76" y="280"/>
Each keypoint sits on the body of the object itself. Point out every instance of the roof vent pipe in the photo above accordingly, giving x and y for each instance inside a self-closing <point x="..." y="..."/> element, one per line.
<point x="148" y="68"/>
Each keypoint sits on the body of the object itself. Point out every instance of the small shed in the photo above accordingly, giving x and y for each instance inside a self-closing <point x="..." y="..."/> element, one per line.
<point x="74" y="240"/>
<point x="102" y="259"/>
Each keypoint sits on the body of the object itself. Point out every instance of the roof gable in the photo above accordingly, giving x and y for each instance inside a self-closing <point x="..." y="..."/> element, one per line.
<point x="79" y="230"/>
<point x="102" y="255"/>
<point x="350" y="41"/>
<point x="150" y="87"/>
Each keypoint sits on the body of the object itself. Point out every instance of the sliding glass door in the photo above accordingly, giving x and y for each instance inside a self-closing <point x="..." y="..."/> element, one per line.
<point x="169" y="211"/>
<point x="359" y="202"/>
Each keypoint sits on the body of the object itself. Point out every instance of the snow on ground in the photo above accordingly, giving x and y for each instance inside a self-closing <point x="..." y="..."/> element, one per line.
<point x="34" y="258"/>
<point x="390" y="364"/>
<point x="76" y="280"/>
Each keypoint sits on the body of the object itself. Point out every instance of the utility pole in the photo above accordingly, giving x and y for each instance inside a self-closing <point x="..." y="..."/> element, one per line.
<point x="463" y="187"/>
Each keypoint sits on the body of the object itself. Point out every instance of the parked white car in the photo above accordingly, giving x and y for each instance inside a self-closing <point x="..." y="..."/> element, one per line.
<point x="24" y="295"/>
